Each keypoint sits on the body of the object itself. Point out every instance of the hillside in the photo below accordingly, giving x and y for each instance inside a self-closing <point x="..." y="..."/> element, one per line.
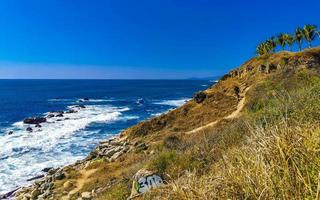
<point x="255" y="134"/>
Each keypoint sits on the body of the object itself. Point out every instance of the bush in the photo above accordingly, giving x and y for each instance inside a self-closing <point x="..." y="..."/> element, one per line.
<point x="199" y="97"/>
<point x="172" y="142"/>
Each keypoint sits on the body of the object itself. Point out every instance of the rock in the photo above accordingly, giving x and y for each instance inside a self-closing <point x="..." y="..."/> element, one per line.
<point x="86" y="195"/>
<point x="47" y="169"/>
<point x="272" y="67"/>
<point x="52" y="171"/>
<point x="115" y="156"/>
<point x="249" y="68"/>
<point x="71" y="111"/>
<point x="262" y="68"/>
<point x="38" y="126"/>
<point x="143" y="181"/>
<point x="35" y="193"/>
<point x="199" y="97"/>
<point x="80" y="106"/>
<point x="34" y="120"/>
<point x="59" y="115"/>
<point x="35" y="178"/>
<point x="10" y="132"/>
<point x="29" y="129"/>
<point x="50" y="115"/>
<point x="59" y="175"/>
<point x="141" y="147"/>
<point x="67" y="185"/>
<point x="86" y="99"/>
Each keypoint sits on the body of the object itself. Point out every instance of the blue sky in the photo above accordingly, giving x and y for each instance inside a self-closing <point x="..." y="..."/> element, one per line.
<point x="139" y="38"/>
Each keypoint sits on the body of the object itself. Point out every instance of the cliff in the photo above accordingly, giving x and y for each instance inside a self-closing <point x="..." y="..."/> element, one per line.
<point x="254" y="134"/>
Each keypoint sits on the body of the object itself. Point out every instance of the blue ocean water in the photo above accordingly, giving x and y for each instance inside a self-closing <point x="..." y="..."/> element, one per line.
<point x="113" y="105"/>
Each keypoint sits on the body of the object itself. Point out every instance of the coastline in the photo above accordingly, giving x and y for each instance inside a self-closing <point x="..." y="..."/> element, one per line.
<point x="110" y="149"/>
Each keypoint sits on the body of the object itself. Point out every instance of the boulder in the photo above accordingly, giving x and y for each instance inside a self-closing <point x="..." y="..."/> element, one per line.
<point x="59" y="115"/>
<point x="34" y="120"/>
<point x="59" y="175"/>
<point x="10" y="132"/>
<point x="86" y="196"/>
<point x="143" y="181"/>
<point x="35" y="193"/>
<point x="47" y="169"/>
<point x="86" y="99"/>
<point x="50" y="115"/>
<point x="38" y="126"/>
<point x="29" y="129"/>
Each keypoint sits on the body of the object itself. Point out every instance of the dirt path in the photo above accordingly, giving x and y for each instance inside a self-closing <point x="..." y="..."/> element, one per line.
<point x="233" y="115"/>
<point x="85" y="176"/>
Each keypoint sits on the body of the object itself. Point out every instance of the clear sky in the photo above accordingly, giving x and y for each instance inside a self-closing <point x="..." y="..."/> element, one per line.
<point x="139" y="38"/>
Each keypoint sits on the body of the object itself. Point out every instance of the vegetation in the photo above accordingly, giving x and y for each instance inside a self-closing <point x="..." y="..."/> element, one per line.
<point x="308" y="33"/>
<point x="272" y="152"/>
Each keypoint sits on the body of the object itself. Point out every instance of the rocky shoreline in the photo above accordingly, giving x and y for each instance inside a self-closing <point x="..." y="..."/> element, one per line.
<point x="110" y="150"/>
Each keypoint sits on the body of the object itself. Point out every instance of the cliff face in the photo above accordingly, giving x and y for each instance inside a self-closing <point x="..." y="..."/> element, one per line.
<point x="186" y="146"/>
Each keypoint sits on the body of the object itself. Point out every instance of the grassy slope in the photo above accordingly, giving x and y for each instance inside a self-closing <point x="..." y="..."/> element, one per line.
<point x="270" y="151"/>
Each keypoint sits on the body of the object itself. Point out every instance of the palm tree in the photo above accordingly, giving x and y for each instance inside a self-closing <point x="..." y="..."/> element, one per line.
<point x="288" y="40"/>
<point x="299" y="36"/>
<point x="309" y="33"/>
<point x="266" y="47"/>
<point x="262" y="48"/>
<point x="281" y="40"/>
<point x="272" y="43"/>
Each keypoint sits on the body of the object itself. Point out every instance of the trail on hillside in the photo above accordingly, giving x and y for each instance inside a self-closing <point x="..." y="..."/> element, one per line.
<point x="85" y="176"/>
<point x="233" y="115"/>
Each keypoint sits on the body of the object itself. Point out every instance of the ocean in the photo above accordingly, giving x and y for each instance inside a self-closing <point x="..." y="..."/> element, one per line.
<point x="107" y="108"/>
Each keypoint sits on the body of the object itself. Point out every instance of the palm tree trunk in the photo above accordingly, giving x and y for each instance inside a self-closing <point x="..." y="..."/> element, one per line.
<point x="299" y="46"/>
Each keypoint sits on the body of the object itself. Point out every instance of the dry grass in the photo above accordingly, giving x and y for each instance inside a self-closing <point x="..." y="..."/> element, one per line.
<point x="278" y="159"/>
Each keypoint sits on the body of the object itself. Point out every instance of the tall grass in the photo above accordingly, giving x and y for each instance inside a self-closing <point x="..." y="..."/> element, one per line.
<point x="279" y="157"/>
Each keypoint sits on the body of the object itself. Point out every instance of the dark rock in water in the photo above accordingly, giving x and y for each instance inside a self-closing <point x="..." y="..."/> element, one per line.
<point x="38" y="126"/>
<point x="29" y="129"/>
<point x="199" y="97"/>
<point x="50" y="115"/>
<point x="47" y="169"/>
<point x="140" y="101"/>
<point x="35" y="178"/>
<point x="71" y="111"/>
<point x="59" y="115"/>
<point x="59" y="120"/>
<point x="80" y="101"/>
<point x="79" y="106"/>
<point x="34" y="120"/>
<point x="86" y="99"/>
<point x="9" y="195"/>
<point x="10" y="132"/>
<point x="67" y="118"/>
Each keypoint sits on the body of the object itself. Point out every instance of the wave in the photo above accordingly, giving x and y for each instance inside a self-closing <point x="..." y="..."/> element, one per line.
<point x="74" y="100"/>
<point x="24" y="154"/>
<point x="174" y="103"/>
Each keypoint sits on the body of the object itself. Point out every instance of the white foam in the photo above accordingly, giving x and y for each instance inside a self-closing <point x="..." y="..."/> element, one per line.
<point x="82" y="100"/>
<point x="23" y="154"/>
<point x="174" y="103"/>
